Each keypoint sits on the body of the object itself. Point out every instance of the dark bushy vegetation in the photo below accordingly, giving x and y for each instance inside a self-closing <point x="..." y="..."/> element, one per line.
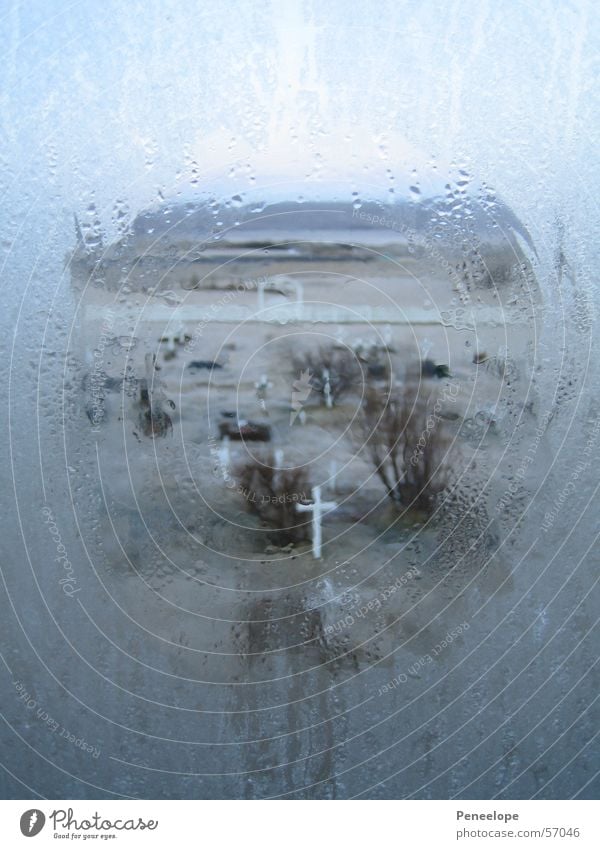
<point x="408" y="445"/>
<point x="272" y="494"/>
<point x="329" y="365"/>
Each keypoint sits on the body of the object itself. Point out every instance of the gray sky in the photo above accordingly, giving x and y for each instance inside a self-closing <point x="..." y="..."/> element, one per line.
<point x="126" y="100"/>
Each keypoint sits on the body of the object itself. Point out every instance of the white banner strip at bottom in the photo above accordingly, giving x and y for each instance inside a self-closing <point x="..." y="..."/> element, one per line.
<point x="266" y="824"/>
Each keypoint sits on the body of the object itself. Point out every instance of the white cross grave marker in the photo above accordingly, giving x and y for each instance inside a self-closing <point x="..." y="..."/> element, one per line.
<point x="277" y="465"/>
<point x="262" y="386"/>
<point x="327" y="388"/>
<point x="224" y="457"/>
<point x="316" y="508"/>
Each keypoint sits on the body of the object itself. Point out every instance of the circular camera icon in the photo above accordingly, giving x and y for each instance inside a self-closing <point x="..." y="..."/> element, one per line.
<point x="32" y="822"/>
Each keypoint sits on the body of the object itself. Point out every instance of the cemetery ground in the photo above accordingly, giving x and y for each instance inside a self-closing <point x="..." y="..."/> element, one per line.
<point x="177" y="529"/>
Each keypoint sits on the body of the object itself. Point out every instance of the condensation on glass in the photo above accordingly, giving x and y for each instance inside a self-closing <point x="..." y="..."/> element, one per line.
<point x="302" y="425"/>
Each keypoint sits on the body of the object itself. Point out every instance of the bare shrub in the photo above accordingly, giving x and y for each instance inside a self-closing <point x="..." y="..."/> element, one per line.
<point x="333" y="371"/>
<point x="153" y="420"/>
<point x="272" y="494"/>
<point x="408" y="444"/>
